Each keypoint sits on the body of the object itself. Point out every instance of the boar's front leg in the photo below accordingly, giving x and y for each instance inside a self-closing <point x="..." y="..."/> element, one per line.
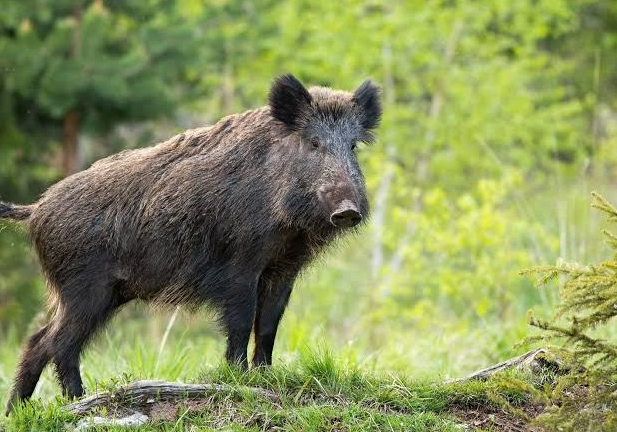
<point x="271" y="303"/>
<point x="237" y="319"/>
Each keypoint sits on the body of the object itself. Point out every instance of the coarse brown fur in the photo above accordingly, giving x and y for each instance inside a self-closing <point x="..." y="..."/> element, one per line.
<point x="224" y="215"/>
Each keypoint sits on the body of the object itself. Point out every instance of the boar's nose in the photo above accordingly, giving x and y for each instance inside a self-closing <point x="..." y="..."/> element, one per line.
<point x="346" y="215"/>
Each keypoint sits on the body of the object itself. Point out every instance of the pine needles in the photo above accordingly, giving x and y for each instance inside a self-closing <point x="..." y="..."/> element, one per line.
<point x="585" y="398"/>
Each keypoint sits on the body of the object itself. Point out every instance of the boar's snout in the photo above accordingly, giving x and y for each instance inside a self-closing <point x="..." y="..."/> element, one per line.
<point x="342" y="201"/>
<point x="346" y="215"/>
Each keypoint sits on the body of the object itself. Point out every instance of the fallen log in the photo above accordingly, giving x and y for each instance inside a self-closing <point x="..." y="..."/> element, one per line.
<point x="134" y="420"/>
<point x="143" y="393"/>
<point x="533" y="361"/>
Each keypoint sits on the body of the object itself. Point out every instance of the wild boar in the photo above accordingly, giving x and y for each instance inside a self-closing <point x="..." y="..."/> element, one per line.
<point x="226" y="216"/>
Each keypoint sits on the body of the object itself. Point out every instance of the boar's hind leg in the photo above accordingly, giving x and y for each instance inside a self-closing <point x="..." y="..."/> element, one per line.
<point x="34" y="358"/>
<point x="271" y="303"/>
<point x="237" y="318"/>
<point x="81" y="318"/>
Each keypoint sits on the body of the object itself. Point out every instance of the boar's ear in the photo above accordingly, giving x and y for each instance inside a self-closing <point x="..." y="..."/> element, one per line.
<point x="369" y="98"/>
<point x="288" y="98"/>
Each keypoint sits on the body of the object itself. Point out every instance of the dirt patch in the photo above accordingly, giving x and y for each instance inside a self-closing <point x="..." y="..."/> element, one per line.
<point x="497" y="419"/>
<point x="163" y="411"/>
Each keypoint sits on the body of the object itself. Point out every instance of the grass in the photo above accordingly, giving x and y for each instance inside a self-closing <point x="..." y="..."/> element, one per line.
<point x="339" y="389"/>
<point x="316" y="392"/>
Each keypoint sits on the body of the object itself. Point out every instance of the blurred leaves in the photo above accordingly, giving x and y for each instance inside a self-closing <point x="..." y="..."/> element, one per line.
<point x="464" y="258"/>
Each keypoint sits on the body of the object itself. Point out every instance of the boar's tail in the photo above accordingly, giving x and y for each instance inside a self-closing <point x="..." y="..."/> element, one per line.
<point x="15" y="212"/>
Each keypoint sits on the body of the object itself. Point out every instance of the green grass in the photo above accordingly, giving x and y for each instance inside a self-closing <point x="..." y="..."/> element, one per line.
<point x="317" y="392"/>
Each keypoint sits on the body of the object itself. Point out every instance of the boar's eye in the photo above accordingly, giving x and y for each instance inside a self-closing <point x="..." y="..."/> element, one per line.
<point x="315" y="142"/>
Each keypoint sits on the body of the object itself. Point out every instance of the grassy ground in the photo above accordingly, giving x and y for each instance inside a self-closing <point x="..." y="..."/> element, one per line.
<point x="317" y="393"/>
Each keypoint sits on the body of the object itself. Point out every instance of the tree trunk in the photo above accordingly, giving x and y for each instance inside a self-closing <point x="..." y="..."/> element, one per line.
<point x="71" y="122"/>
<point x="70" y="143"/>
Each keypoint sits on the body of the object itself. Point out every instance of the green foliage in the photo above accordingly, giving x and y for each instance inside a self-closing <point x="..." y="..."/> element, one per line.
<point x="472" y="233"/>
<point x="19" y="295"/>
<point x="109" y="62"/>
<point x="588" y="298"/>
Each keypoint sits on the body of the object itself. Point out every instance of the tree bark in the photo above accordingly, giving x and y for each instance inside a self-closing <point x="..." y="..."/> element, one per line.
<point x="533" y="361"/>
<point x="71" y="122"/>
<point x="142" y="393"/>
<point x="70" y="143"/>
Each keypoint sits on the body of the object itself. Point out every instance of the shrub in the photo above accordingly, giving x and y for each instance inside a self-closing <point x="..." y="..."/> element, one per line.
<point x="585" y="399"/>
